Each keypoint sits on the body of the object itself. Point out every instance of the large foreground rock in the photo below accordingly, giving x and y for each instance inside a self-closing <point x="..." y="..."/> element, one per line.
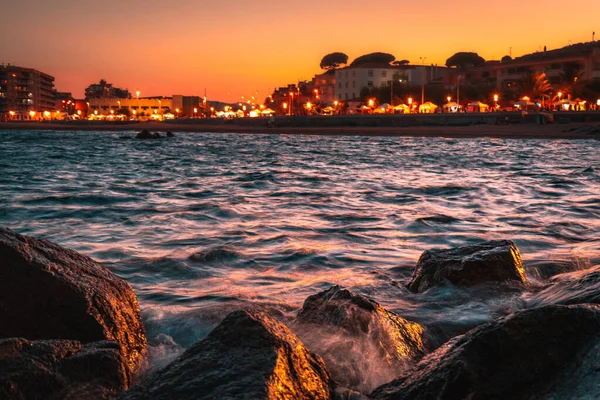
<point x="363" y="344"/>
<point x="248" y="356"/>
<point x="571" y="288"/>
<point x="548" y="352"/>
<point x="49" y="292"/>
<point x="61" y="369"/>
<point x="498" y="260"/>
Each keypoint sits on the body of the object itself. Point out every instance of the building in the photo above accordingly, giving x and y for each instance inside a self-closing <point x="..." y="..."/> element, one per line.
<point x="141" y="107"/>
<point x="582" y="59"/>
<point x="352" y="79"/>
<point x="103" y="90"/>
<point x="25" y="93"/>
<point x="325" y="86"/>
<point x="186" y="105"/>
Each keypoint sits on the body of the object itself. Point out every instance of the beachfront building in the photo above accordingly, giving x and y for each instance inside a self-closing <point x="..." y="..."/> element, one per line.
<point x="350" y="80"/>
<point x="580" y="62"/>
<point x="150" y="107"/>
<point x="25" y="93"/>
<point x="325" y="86"/>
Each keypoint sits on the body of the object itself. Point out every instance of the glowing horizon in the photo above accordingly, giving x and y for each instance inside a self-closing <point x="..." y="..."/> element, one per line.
<point x="241" y="48"/>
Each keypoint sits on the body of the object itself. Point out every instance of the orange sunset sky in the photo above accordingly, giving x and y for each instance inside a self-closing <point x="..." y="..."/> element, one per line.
<point x="235" y="48"/>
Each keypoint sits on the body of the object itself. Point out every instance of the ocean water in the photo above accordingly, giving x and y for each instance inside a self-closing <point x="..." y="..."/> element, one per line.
<point x="204" y="224"/>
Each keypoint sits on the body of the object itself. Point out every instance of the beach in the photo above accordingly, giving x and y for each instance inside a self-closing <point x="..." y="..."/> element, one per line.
<point x="516" y="131"/>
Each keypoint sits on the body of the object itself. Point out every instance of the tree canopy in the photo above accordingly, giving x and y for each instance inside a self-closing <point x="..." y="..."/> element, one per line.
<point x="383" y="58"/>
<point x="506" y="58"/>
<point x="535" y="85"/>
<point x="333" y="61"/>
<point x="401" y="63"/>
<point x="464" y="60"/>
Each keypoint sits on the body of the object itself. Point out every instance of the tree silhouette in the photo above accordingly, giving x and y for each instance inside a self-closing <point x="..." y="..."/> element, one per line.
<point x="333" y="61"/>
<point x="464" y="60"/>
<point x="380" y="58"/>
<point x="506" y="58"/>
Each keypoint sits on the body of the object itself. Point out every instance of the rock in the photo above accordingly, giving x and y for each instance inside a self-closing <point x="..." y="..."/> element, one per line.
<point x="144" y="134"/>
<point x="363" y="344"/>
<point x="170" y="134"/>
<point x="61" y="369"/>
<point x="249" y="355"/>
<point x="469" y="265"/>
<point x="531" y="354"/>
<point x="49" y="292"/>
<point x="571" y="288"/>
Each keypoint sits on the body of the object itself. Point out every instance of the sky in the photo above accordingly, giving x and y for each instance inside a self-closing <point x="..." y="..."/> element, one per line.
<point x="247" y="48"/>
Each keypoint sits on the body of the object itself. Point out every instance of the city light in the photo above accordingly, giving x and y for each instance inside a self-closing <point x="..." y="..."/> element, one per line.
<point x="559" y="95"/>
<point x="371" y="103"/>
<point x="32" y="114"/>
<point x="598" y="102"/>
<point x="410" y="100"/>
<point x="335" y="103"/>
<point x="496" y="98"/>
<point x="448" y="98"/>
<point x="284" y="105"/>
<point x="308" y="105"/>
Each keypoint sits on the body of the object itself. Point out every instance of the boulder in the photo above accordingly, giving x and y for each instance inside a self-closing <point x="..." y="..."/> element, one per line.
<point x="249" y="355"/>
<point x="571" y="288"/>
<point x="61" y="369"/>
<point x="170" y="134"/>
<point x="146" y="134"/>
<point x="363" y="344"/>
<point x="548" y="352"/>
<point x="49" y="292"/>
<point x="498" y="261"/>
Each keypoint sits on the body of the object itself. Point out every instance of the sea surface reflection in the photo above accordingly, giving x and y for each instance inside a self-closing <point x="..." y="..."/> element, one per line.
<point x="206" y="223"/>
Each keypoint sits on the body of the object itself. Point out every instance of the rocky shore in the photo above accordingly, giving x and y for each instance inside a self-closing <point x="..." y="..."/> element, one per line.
<point x="72" y="330"/>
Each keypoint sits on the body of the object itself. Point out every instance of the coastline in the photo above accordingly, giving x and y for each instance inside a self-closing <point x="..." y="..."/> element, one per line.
<point x="516" y="131"/>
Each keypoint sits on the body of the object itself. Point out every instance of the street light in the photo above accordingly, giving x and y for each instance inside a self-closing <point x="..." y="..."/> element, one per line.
<point x="448" y="98"/>
<point x="195" y="111"/>
<point x="410" y="100"/>
<point x="291" y="102"/>
<point x="371" y="103"/>
<point x="423" y="79"/>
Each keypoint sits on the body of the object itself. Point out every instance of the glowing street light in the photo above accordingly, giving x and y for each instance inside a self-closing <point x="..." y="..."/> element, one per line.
<point x="371" y="103"/>
<point x="598" y="102"/>
<point x="559" y="95"/>
<point x="448" y="98"/>
<point x="195" y="111"/>
<point x="308" y="105"/>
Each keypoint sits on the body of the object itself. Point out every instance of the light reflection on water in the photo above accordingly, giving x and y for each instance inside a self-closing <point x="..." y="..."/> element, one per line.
<point x="203" y="224"/>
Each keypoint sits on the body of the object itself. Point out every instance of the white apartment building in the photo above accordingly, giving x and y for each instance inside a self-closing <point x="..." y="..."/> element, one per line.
<point x="350" y="80"/>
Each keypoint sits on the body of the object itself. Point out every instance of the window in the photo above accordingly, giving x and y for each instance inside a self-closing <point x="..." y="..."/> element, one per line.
<point x="370" y="84"/>
<point x="383" y="74"/>
<point x="339" y="85"/>
<point x="346" y="96"/>
<point x="370" y="73"/>
<point x="346" y="84"/>
<point x="353" y="95"/>
<point x="353" y="74"/>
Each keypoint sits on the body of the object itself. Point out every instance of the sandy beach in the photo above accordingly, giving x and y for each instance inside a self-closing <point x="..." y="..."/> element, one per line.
<point x="524" y="131"/>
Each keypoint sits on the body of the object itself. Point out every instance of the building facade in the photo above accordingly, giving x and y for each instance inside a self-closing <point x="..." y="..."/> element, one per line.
<point x="351" y="80"/>
<point x="25" y="93"/>
<point x="141" y="107"/>
<point x="583" y="60"/>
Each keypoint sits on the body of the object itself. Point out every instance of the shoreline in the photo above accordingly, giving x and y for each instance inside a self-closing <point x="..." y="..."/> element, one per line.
<point x="515" y="131"/>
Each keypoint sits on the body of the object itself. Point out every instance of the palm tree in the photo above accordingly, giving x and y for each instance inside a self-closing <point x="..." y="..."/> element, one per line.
<point x="569" y="77"/>
<point x="536" y="86"/>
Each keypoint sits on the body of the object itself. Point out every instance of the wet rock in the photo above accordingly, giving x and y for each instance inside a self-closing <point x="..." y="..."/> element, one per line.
<point x="249" y="355"/>
<point x="49" y="292"/>
<point x="363" y="344"/>
<point x="535" y="354"/>
<point x="146" y="134"/>
<point x="61" y="369"/>
<point x="498" y="261"/>
<point x="577" y="287"/>
<point x="170" y="134"/>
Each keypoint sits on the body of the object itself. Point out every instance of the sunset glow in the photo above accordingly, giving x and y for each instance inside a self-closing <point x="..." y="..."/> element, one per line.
<point x="237" y="48"/>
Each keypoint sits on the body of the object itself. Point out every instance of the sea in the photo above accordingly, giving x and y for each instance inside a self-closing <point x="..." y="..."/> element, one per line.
<point x="204" y="224"/>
